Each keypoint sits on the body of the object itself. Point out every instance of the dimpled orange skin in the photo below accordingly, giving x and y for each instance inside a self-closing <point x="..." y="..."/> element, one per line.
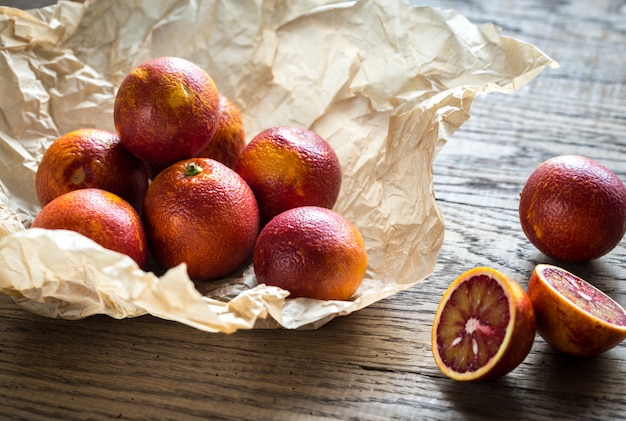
<point x="311" y="252"/>
<point x="166" y="110"/>
<point x="229" y="138"/>
<point x="567" y="327"/>
<point x="573" y="208"/>
<point x="101" y="216"/>
<point x="287" y="167"/>
<point x="200" y="212"/>
<point x="90" y="158"/>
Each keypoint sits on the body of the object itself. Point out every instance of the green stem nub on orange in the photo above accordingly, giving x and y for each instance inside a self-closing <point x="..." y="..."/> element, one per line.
<point x="192" y="169"/>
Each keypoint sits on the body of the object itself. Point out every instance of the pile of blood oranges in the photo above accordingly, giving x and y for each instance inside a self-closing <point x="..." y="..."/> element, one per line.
<point x="178" y="180"/>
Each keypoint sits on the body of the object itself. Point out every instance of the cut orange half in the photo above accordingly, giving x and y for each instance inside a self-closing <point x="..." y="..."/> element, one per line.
<point x="484" y="326"/>
<point x="574" y="316"/>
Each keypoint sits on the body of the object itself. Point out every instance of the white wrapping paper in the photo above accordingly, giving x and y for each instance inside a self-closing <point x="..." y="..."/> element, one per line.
<point x="386" y="83"/>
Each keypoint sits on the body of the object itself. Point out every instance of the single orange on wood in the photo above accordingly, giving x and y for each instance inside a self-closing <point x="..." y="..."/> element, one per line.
<point x="484" y="326"/>
<point x="311" y="252"/>
<point x="573" y="208"/>
<point x="229" y="138"/>
<point x="201" y="213"/>
<point x="90" y="158"/>
<point x="287" y="167"/>
<point x="573" y="316"/>
<point x="99" y="215"/>
<point x="166" y="110"/>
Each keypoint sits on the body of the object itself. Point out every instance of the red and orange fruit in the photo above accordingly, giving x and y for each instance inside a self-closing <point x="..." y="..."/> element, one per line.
<point x="201" y="213"/>
<point x="311" y="252"/>
<point x="573" y="208"/>
<point x="288" y="167"/>
<point x="229" y="138"/>
<point x="573" y="316"/>
<point x="86" y="158"/>
<point x="99" y="215"/>
<point x="484" y="326"/>
<point x="166" y="110"/>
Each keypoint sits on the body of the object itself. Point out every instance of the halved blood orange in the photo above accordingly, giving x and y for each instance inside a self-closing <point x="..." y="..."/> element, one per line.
<point x="573" y="316"/>
<point x="484" y="326"/>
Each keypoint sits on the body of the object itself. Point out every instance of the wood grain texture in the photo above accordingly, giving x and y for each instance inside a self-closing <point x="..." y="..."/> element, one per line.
<point x="376" y="364"/>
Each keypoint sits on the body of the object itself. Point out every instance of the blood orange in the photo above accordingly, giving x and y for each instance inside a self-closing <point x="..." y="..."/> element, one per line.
<point x="484" y="326"/>
<point x="287" y="167"/>
<point x="311" y="252"/>
<point x="229" y="138"/>
<point x="573" y="316"/>
<point x="90" y="157"/>
<point x="573" y="208"/>
<point x="166" y="110"/>
<point x="99" y="215"/>
<point x="200" y="212"/>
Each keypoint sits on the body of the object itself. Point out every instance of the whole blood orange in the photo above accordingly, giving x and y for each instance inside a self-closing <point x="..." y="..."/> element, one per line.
<point x="573" y="316"/>
<point x="99" y="215"/>
<point x="484" y="326"/>
<point x="573" y="208"/>
<point x="166" y="110"/>
<point x="311" y="252"/>
<point x="90" y="158"/>
<point x="287" y="167"/>
<point x="201" y="213"/>
<point x="229" y="138"/>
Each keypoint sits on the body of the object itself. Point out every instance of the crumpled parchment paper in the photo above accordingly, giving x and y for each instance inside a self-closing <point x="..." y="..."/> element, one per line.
<point x="385" y="82"/>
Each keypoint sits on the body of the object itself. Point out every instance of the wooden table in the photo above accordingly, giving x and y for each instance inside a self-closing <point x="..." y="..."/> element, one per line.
<point x="377" y="363"/>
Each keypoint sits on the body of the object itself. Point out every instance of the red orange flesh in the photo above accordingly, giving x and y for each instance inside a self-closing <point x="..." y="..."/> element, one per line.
<point x="573" y="316"/>
<point x="484" y="326"/>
